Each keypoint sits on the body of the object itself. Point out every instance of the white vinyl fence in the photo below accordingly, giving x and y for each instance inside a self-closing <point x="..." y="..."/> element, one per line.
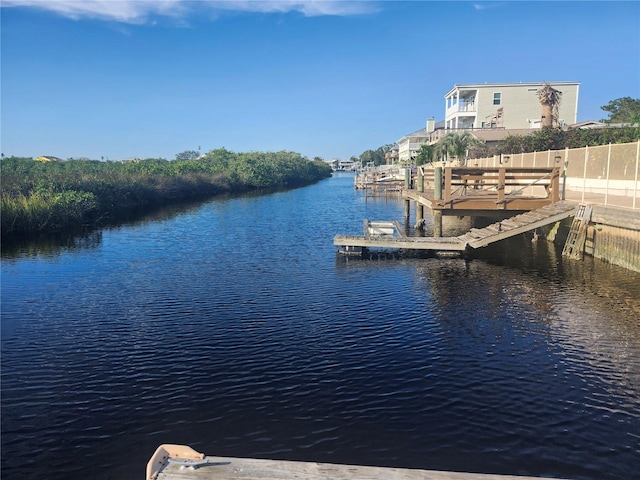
<point x="603" y="175"/>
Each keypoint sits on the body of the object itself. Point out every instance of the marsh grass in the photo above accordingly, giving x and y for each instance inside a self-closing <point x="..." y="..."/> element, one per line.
<point x="53" y="197"/>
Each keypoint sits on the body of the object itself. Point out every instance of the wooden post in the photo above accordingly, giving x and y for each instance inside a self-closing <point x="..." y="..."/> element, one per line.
<point x="437" y="223"/>
<point x="501" y="181"/>
<point x="437" y="183"/>
<point x="419" y="217"/>
<point x="420" y="179"/>
<point x="555" y="185"/>
<point x="446" y="194"/>
<point x="407" y="209"/>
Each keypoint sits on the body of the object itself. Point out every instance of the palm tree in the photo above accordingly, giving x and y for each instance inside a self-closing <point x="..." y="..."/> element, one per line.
<point x="550" y="101"/>
<point x="455" y="145"/>
<point x="426" y="154"/>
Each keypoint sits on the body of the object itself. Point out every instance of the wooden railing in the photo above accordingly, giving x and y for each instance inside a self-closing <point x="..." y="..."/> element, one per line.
<point x="451" y="187"/>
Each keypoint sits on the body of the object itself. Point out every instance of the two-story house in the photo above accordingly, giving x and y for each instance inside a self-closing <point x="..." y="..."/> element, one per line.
<point x="505" y="105"/>
<point x="492" y="111"/>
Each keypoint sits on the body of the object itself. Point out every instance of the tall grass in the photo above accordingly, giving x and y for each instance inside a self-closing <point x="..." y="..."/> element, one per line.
<point x="54" y="196"/>
<point x="45" y="211"/>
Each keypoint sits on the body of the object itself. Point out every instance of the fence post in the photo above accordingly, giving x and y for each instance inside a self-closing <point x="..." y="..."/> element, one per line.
<point x="565" y="164"/>
<point x="584" y="174"/>
<point x="606" y="188"/>
<point x="635" y="187"/>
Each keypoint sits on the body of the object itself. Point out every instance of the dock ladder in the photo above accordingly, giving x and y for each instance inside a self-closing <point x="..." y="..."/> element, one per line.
<point x="574" y="246"/>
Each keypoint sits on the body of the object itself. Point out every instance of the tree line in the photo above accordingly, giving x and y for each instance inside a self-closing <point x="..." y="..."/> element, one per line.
<point x="48" y="197"/>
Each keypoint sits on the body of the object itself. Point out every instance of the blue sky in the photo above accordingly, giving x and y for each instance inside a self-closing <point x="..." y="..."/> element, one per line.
<point x="152" y="78"/>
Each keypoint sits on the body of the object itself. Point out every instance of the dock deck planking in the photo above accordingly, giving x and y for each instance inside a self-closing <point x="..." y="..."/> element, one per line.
<point x="474" y="238"/>
<point x="180" y="462"/>
<point x="228" y="468"/>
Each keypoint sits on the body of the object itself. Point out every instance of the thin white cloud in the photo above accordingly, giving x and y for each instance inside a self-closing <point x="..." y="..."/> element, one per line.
<point x="127" y="11"/>
<point x="139" y="11"/>
<point x="309" y="8"/>
<point x="487" y="5"/>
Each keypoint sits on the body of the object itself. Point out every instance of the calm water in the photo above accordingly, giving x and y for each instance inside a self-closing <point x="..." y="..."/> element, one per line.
<point x="234" y="327"/>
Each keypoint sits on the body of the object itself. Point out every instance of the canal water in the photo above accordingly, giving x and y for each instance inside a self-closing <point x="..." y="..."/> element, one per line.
<point x="232" y="326"/>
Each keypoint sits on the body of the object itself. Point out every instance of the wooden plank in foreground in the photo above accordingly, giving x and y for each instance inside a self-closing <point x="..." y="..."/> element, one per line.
<point x="229" y="468"/>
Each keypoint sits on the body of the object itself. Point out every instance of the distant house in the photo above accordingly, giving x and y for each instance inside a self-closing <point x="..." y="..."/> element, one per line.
<point x="340" y="165"/>
<point x="347" y="164"/>
<point x="409" y="145"/>
<point x="391" y="156"/>
<point x="47" y="158"/>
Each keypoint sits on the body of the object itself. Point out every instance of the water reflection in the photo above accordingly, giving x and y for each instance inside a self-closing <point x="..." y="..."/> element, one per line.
<point x="87" y="238"/>
<point x="53" y="246"/>
<point x="235" y="327"/>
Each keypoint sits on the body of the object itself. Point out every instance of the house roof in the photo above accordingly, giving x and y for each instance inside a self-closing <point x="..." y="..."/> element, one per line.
<point x="511" y="84"/>
<point x="588" y="124"/>
<point x="418" y="133"/>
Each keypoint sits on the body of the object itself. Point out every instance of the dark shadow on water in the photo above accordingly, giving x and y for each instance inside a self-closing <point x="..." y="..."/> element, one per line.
<point x="90" y="237"/>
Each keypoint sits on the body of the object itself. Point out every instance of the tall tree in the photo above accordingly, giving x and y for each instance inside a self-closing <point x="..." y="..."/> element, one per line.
<point x="376" y="156"/>
<point x="550" y="100"/>
<point x="187" y="155"/>
<point x="623" y="110"/>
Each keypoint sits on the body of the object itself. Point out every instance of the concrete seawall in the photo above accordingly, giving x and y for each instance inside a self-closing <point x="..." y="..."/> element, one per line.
<point x="614" y="236"/>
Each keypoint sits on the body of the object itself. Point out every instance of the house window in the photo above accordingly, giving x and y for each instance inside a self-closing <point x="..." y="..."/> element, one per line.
<point x="496" y="98"/>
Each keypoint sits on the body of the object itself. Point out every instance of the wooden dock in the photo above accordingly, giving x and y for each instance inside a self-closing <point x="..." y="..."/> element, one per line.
<point x="179" y="462"/>
<point x="475" y="238"/>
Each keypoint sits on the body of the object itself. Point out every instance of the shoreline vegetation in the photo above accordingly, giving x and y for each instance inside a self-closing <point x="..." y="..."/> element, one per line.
<point x="52" y="197"/>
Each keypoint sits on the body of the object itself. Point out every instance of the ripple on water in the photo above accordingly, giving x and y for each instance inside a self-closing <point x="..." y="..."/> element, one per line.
<point x="215" y="331"/>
